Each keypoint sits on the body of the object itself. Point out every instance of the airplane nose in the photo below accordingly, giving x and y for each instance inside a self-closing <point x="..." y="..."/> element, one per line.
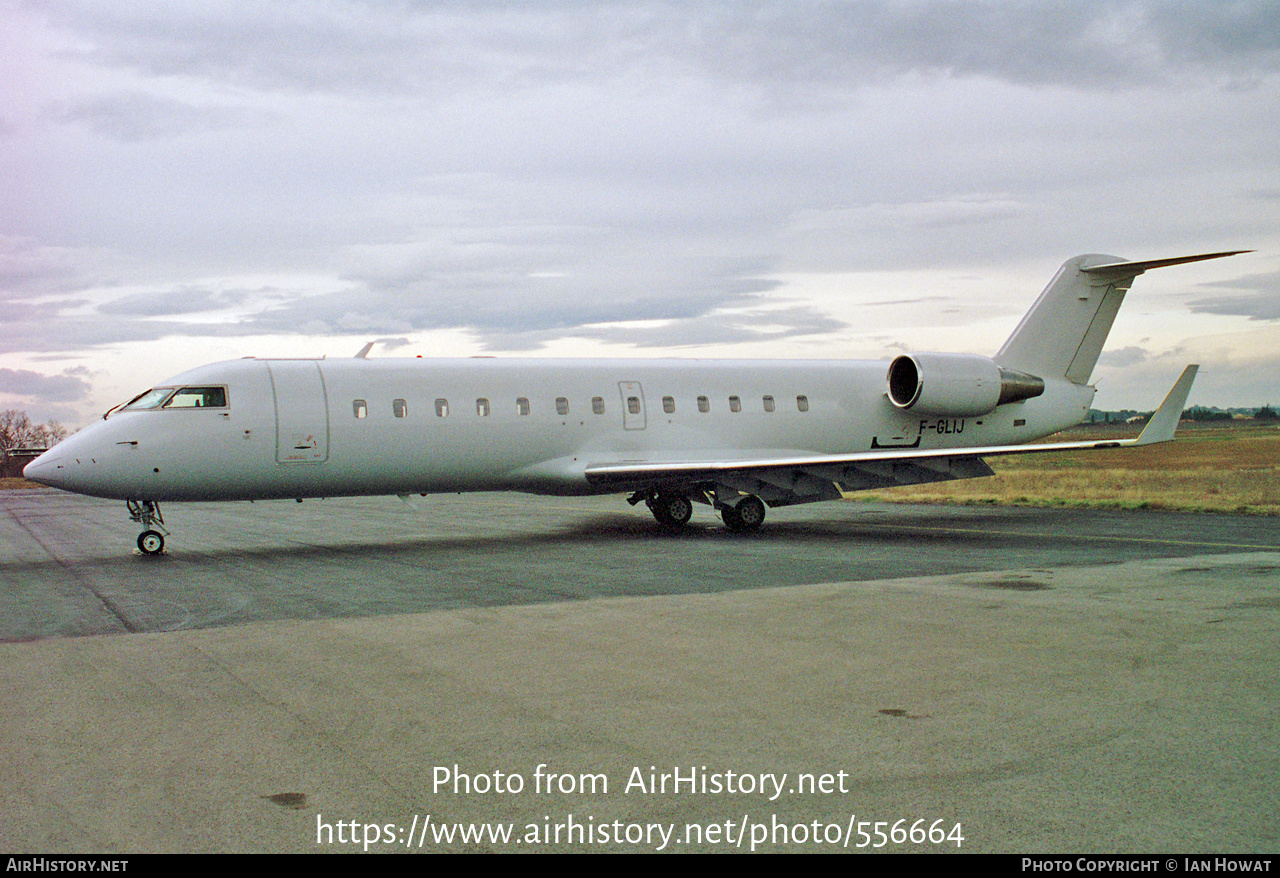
<point x="45" y="469"/>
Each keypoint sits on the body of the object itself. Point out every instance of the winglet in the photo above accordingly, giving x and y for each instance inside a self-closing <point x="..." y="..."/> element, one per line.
<point x="364" y="351"/>
<point x="1164" y="422"/>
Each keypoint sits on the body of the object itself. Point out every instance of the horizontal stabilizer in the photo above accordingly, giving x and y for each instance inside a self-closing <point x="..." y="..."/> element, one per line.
<point x="1133" y="269"/>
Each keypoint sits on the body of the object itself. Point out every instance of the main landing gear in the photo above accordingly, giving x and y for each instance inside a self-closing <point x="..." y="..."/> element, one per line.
<point x="673" y="509"/>
<point x="147" y="513"/>
<point x="746" y="516"/>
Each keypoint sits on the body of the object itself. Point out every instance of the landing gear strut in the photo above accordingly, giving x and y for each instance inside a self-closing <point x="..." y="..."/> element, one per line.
<point x="147" y="513"/>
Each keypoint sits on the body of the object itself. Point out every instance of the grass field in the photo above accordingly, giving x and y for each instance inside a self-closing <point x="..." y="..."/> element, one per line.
<point x="1229" y="467"/>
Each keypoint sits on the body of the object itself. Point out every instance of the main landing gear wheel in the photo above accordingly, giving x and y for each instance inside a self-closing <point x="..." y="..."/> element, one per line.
<point x="671" y="510"/>
<point x="151" y="542"/>
<point x="746" y="517"/>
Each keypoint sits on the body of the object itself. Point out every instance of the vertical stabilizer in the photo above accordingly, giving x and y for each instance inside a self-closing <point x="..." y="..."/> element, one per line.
<point x="1063" y="333"/>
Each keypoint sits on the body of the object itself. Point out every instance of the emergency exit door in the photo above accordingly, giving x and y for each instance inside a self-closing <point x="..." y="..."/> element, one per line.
<point x="633" y="417"/>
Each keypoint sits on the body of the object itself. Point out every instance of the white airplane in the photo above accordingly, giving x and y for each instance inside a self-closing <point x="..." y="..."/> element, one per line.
<point x="734" y="434"/>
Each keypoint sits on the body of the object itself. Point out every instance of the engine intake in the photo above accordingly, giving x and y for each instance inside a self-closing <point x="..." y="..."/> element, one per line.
<point x="956" y="385"/>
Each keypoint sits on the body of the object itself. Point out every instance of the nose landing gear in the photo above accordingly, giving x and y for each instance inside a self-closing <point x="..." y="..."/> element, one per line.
<point x="147" y="513"/>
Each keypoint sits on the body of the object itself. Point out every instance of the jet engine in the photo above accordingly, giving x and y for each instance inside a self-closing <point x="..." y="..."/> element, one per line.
<point x="956" y="385"/>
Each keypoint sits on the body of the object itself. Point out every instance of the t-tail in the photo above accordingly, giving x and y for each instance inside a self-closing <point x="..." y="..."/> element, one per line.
<point x="1063" y="333"/>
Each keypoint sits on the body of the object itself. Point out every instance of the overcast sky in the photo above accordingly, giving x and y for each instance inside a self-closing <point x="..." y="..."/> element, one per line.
<point x="187" y="181"/>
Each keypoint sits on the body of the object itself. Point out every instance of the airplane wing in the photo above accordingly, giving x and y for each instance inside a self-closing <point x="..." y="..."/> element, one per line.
<point x="787" y="480"/>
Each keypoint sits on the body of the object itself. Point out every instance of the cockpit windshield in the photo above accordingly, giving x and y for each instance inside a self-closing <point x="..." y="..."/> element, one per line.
<point x="178" y="398"/>
<point x="151" y="399"/>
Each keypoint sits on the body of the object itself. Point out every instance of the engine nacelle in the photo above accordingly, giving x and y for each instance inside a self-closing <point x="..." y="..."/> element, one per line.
<point x="956" y="385"/>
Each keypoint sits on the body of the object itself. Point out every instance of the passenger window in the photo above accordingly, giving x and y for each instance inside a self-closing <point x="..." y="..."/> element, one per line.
<point x="399" y="408"/>
<point x="704" y="404"/>
<point x="562" y="406"/>
<point x="482" y="407"/>
<point x="802" y="403"/>
<point x="768" y="403"/>
<point x="669" y="405"/>
<point x="198" y="397"/>
<point x="522" y="406"/>
<point x="360" y="408"/>
<point x="633" y="404"/>
<point x="735" y="404"/>
<point x="597" y="405"/>
<point x="442" y="408"/>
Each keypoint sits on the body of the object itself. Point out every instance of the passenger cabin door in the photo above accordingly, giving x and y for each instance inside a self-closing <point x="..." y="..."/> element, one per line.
<point x="633" y="417"/>
<point x="302" y="411"/>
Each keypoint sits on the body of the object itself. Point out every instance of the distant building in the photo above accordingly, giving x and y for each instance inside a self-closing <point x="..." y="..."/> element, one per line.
<point x="12" y="460"/>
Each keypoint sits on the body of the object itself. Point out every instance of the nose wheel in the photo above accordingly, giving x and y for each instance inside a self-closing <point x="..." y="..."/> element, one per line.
<point x="151" y="542"/>
<point x="147" y="514"/>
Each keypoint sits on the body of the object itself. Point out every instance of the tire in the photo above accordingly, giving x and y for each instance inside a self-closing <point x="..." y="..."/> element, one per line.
<point x="746" y="517"/>
<point x="151" y="542"/>
<point x="672" y="510"/>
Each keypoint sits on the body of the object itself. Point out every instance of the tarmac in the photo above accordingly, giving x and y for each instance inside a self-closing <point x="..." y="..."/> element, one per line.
<point x="507" y="673"/>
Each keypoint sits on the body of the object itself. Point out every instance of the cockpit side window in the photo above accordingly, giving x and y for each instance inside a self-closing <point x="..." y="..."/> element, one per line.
<point x="149" y="400"/>
<point x="198" y="397"/>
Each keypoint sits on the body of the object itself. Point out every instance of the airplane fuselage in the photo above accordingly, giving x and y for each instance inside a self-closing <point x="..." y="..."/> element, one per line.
<point x="334" y="427"/>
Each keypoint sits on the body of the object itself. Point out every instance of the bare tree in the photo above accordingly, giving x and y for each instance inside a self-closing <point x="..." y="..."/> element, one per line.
<point x="17" y="431"/>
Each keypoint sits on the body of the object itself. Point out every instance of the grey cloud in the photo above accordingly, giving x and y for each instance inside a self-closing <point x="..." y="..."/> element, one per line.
<point x="78" y="333"/>
<point x="500" y="310"/>
<point x="487" y="282"/>
<point x="18" y="312"/>
<point x="1262" y="302"/>
<point x="33" y="321"/>
<point x="136" y="116"/>
<point x="417" y="47"/>
<point x="508" y="282"/>
<point x="704" y="329"/>
<point x="66" y="387"/>
<point x="29" y="268"/>
<point x="1261" y="306"/>
<point x="1126" y="356"/>
<point x="186" y="299"/>
<point x="917" y="301"/>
